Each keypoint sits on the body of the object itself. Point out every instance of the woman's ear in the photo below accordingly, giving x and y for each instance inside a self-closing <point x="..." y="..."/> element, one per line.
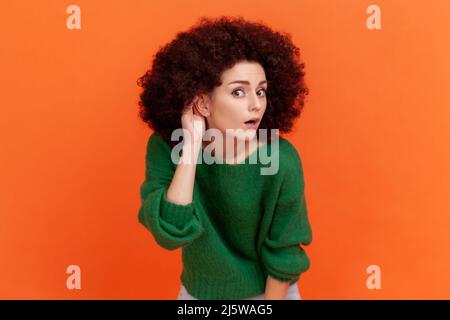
<point x="201" y="103"/>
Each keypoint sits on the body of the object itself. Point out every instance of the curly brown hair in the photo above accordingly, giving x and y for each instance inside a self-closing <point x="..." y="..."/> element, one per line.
<point x="194" y="61"/>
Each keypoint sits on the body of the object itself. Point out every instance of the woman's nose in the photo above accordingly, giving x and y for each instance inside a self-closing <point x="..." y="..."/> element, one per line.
<point x="255" y="103"/>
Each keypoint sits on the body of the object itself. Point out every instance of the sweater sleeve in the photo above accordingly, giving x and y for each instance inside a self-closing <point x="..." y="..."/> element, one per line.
<point x="282" y="254"/>
<point x="172" y="225"/>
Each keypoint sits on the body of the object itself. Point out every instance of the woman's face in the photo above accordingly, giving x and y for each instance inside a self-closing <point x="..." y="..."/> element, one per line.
<point x="240" y="97"/>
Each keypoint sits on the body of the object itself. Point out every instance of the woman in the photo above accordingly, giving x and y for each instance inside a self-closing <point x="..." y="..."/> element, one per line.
<point x="241" y="230"/>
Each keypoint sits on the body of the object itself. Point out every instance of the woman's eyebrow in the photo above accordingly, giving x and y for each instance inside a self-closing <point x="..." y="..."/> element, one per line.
<point x="246" y="82"/>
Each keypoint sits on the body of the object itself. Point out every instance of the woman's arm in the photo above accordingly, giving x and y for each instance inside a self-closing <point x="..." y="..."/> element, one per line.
<point x="275" y="289"/>
<point x="172" y="225"/>
<point x="282" y="252"/>
<point x="168" y="209"/>
<point x="182" y="186"/>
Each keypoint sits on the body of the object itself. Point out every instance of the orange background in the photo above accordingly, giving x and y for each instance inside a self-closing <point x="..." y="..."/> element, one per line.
<point x="374" y="139"/>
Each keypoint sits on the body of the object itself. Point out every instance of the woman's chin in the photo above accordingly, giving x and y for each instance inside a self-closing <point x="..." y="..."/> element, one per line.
<point x="246" y="134"/>
<point x="243" y="134"/>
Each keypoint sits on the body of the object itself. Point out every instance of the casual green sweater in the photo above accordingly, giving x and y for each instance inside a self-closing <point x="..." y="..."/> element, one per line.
<point x="241" y="225"/>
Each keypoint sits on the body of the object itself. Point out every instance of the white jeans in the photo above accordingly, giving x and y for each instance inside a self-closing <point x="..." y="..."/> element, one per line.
<point x="292" y="294"/>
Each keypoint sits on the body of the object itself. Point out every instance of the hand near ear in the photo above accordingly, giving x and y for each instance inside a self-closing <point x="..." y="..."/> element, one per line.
<point x="194" y="123"/>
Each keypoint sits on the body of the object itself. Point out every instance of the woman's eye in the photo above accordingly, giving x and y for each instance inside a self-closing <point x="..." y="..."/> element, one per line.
<point x="261" y="95"/>
<point x="237" y="91"/>
<point x="264" y="91"/>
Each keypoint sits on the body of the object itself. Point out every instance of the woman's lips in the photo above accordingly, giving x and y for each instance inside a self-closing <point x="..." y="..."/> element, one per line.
<point x="252" y="125"/>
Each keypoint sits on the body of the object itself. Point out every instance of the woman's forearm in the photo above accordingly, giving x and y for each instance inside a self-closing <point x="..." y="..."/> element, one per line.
<point x="276" y="289"/>
<point x="181" y="188"/>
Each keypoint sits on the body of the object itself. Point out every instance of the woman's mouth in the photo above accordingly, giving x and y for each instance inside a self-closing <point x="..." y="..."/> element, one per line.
<point x="252" y="123"/>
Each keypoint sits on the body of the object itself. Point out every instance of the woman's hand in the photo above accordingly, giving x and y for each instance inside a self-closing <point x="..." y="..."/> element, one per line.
<point x="275" y="289"/>
<point x="194" y="123"/>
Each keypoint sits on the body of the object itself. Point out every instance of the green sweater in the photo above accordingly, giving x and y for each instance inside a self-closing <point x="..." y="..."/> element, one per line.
<point x="240" y="226"/>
